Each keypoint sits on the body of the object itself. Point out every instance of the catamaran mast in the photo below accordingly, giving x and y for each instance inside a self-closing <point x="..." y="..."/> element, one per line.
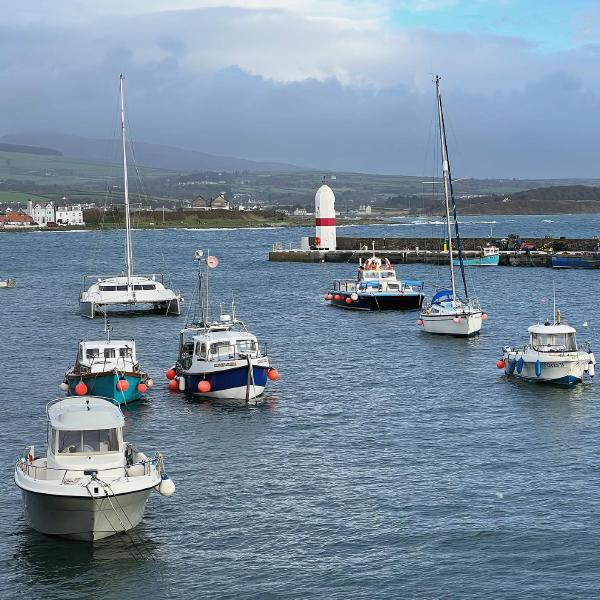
<point x="449" y="195"/>
<point x="128" y="251"/>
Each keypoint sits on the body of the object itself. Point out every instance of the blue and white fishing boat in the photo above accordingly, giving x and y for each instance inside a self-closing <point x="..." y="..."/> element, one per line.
<point x="108" y="369"/>
<point x="490" y="257"/>
<point x="219" y="359"/>
<point x="376" y="288"/>
<point x="7" y="283"/>
<point x="448" y="313"/>
<point x="552" y="356"/>
<point x="576" y="260"/>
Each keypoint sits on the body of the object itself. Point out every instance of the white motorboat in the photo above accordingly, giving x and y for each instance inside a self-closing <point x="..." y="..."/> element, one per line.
<point x="127" y="290"/>
<point x="7" y="283"/>
<point x="219" y="359"/>
<point x="447" y="313"/>
<point x="91" y="484"/>
<point x="552" y="356"/>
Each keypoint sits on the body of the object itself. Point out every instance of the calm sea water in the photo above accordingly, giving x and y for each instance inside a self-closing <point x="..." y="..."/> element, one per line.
<point x="383" y="464"/>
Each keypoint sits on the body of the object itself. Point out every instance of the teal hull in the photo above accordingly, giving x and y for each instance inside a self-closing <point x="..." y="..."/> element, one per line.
<point x="483" y="261"/>
<point x="105" y="386"/>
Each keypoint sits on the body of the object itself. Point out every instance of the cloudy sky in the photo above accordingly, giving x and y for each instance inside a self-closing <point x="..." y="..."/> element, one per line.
<point x="332" y="84"/>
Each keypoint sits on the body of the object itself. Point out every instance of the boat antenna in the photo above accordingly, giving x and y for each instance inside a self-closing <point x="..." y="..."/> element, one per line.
<point x="199" y="258"/>
<point x="128" y="251"/>
<point x="232" y="309"/>
<point x="107" y="327"/>
<point x="449" y="195"/>
<point x="554" y="303"/>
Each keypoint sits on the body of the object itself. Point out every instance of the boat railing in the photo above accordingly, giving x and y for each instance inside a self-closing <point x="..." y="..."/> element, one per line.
<point x="34" y="471"/>
<point x="88" y="280"/>
<point x="585" y="347"/>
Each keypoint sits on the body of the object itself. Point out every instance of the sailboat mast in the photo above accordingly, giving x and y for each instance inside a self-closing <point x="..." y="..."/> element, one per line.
<point x="446" y="176"/>
<point x="128" y="251"/>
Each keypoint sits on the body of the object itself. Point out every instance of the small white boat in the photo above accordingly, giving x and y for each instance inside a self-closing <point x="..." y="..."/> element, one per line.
<point x="219" y="359"/>
<point x="91" y="484"/>
<point x="7" y="283"/>
<point x="101" y="292"/>
<point x="490" y="257"/>
<point x="447" y="313"/>
<point x="552" y="356"/>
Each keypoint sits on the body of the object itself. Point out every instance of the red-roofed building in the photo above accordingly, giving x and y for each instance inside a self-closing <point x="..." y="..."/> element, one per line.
<point x="15" y="219"/>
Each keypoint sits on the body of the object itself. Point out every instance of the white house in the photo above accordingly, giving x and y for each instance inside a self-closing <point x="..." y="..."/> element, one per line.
<point x="42" y="213"/>
<point x="70" y="215"/>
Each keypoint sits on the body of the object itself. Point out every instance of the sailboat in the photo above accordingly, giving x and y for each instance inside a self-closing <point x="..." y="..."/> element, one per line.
<point x="127" y="290"/>
<point x="447" y="313"/>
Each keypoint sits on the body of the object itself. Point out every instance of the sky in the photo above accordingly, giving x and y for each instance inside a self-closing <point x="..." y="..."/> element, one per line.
<point x="337" y="85"/>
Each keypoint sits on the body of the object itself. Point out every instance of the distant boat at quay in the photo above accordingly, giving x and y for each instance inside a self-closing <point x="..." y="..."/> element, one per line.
<point x="490" y="257"/>
<point x="127" y="290"/>
<point x="7" y="283"/>
<point x="576" y="260"/>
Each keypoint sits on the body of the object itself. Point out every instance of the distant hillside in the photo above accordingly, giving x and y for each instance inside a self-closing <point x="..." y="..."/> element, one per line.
<point x="19" y="148"/>
<point x="146" y="155"/>
<point x="542" y="200"/>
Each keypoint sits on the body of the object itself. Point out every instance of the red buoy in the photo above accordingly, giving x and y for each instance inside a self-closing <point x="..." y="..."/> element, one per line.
<point x="122" y="385"/>
<point x="348" y="300"/>
<point x="500" y="364"/>
<point x="203" y="386"/>
<point x="484" y="317"/>
<point x="273" y="374"/>
<point x="81" y="389"/>
<point x="142" y="388"/>
<point x="420" y="322"/>
<point x="174" y="385"/>
<point x="171" y="374"/>
<point x="337" y="297"/>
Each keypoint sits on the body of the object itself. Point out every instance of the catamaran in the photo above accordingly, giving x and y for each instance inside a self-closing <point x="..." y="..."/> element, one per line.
<point x="447" y="313"/>
<point x="127" y="290"/>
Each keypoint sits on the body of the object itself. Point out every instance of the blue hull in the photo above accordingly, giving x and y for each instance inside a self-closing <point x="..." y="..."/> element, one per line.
<point x="568" y="380"/>
<point x="591" y="261"/>
<point x="105" y="386"/>
<point x="483" y="261"/>
<point x="226" y="380"/>
<point x="379" y="301"/>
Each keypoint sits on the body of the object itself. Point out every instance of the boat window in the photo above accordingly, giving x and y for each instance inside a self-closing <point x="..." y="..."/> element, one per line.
<point x="557" y="342"/>
<point x="125" y="352"/>
<point x="393" y="286"/>
<point x="222" y="351"/>
<point x="109" y="353"/>
<point x="387" y="274"/>
<point x="144" y="286"/>
<point x="108" y="288"/>
<point x="201" y="350"/>
<point x="92" y="353"/>
<point x="95" y="440"/>
<point x="246" y="346"/>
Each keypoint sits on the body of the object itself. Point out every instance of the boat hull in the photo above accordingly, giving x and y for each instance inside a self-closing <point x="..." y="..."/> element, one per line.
<point x="84" y="519"/>
<point x="587" y="261"/>
<point x="467" y="326"/>
<point x="377" y="301"/>
<point x="559" y="370"/>
<point x="105" y="385"/>
<point x="492" y="260"/>
<point x="91" y="309"/>
<point x="228" y="383"/>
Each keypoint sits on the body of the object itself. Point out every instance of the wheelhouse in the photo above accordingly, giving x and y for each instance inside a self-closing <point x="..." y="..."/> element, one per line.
<point x="552" y="338"/>
<point x="116" y="352"/>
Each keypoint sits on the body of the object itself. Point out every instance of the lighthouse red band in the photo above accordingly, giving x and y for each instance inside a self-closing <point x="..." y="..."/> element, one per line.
<point x="321" y="222"/>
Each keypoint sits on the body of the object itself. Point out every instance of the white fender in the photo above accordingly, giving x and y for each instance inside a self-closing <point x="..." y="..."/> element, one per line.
<point x="182" y="384"/>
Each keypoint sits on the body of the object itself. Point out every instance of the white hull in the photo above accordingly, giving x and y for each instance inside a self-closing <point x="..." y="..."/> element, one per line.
<point x="92" y="309"/>
<point x="238" y="393"/>
<point x="564" y="368"/>
<point x="86" y="519"/>
<point x="7" y="283"/>
<point x="469" y="324"/>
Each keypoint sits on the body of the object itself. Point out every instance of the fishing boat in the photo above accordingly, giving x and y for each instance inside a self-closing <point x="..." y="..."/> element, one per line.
<point x="7" y="283"/>
<point x="376" y="287"/>
<point x="107" y="368"/>
<point x="447" y="313"/>
<point x="490" y="257"/>
<point x="576" y="260"/>
<point x="91" y="484"/>
<point x="127" y="290"/>
<point x="552" y="356"/>
<point x="218" y="359"/>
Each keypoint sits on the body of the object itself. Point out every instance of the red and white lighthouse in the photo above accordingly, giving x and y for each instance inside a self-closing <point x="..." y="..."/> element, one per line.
<point x="325" y="237"/>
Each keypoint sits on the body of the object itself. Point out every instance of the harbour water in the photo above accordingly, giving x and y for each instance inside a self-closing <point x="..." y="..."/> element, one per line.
<point x="384" y="463"/>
